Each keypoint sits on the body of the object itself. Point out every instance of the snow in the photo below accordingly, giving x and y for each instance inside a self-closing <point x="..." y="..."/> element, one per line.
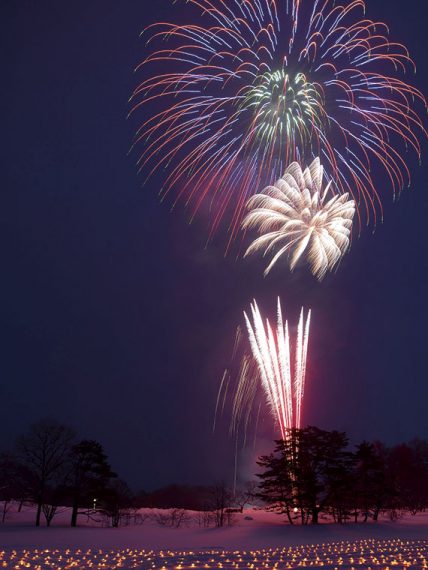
<point x="256" y="538"/>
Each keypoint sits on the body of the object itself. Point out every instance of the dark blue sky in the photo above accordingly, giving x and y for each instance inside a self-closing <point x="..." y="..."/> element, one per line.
<point x="116" y="320"/>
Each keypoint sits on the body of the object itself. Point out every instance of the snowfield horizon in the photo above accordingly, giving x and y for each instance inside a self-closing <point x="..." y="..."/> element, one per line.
<point x="253" y="529"/>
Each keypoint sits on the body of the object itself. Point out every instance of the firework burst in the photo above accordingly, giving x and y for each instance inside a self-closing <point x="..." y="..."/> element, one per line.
<point x="299" y="218"/>
<point x="275" y="364"/>
<point x="249" y="87"/>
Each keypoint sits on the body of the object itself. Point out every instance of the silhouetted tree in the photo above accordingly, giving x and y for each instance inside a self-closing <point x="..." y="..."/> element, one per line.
<point x="306" y="473"/>
<point x="15" y="480"/>
<point x="90" y="473"/>
<point x="221" y="498"/>
<point x="384" y="491"/>
<point x="420" y="448"/>
<point x="276" y="485"/>
<point x="44" y="449"/>
<point x="408" y="467"/>
<point x="339" y="478"/>
<point x="245" y="494"/>
<point x="116" y="502"/>
<point x="371" y="488"/>
<point x="55" y="498"/>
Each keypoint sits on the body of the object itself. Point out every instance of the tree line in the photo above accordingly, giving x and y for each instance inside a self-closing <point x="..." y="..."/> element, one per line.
<point x="310" y="474"/>
<point x="51" y="468"/>
<point x="313" y="472"/>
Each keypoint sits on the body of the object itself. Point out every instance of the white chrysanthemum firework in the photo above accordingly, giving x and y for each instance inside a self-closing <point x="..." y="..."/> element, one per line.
<point x="298" y="218"/>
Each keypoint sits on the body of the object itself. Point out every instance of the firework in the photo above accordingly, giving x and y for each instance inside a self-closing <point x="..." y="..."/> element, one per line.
<point x="249" y="87"/>
<point x="300" y="219"/>
<point x="282" y="377"/>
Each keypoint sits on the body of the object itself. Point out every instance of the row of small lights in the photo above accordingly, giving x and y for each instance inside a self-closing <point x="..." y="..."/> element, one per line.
<point x="370" y="554"/>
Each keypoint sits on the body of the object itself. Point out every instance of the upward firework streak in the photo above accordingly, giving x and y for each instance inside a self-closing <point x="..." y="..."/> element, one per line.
<point x="256" y="85"/>
<point x="283" y="381"/>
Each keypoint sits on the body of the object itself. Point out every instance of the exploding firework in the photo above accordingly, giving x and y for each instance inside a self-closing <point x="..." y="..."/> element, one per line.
<point x="299" y="218"/>
<point x="274" y="365"/>
<point x="259" y="84"/>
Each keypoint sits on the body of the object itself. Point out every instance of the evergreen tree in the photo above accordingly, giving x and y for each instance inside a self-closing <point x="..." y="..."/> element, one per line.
<point x="372" y="488"/>
<point x="116" y="501"/>
<point x="307" y="473"/>
<point x="408" y="467"/>
<point x="90" y="473"/>
<point x="276" y="487"/>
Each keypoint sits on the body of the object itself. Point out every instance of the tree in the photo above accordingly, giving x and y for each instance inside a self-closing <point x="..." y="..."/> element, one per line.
<point x="55" y="497"/>
<point x="371" y="488"/>
<point x="306" y="473"/>
<point x="116" y="502"/>
<point x="90" y="473"/>
<point x="14" y="482"/>
<point x="245" y="494"/>
<point x="408" y="466"/>
<point x="44" y="450"/>
<point x="276" y="487"/>
<point x="6" y="483"/>
<point x="221" y="497"/>
<point x="339" y="478"/>
<point x="420" y="447"/>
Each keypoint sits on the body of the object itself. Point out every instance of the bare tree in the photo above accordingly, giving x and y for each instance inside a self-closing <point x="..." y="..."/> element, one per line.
<point x="55" y="496"/>
<point x="221" y="499"/>
<point x="44" y="450"/>
<point x="205" y="518"/>
<point x="174" y="518"/>
<point x="245" y="494"/>
<point x="14" y="482"/>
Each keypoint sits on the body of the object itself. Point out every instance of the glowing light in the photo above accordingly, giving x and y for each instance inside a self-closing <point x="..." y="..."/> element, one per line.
<point x="358" y="554"/>
<point x="300" y="219"/>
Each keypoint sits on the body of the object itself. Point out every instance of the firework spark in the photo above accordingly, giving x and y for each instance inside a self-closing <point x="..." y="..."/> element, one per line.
<point x="282" y="379"/>
<point x="296" y="216"/>
<point x="259" y="84"/>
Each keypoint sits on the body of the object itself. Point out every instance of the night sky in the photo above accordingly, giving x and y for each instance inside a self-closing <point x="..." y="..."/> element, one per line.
<point x="117" y="320"/>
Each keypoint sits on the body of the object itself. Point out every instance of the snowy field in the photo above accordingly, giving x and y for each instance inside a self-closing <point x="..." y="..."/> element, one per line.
<point x="257" y="540"/>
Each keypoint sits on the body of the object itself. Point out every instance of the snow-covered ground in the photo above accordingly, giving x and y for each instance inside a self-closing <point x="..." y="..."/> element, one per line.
<point x="256" y="540"/>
